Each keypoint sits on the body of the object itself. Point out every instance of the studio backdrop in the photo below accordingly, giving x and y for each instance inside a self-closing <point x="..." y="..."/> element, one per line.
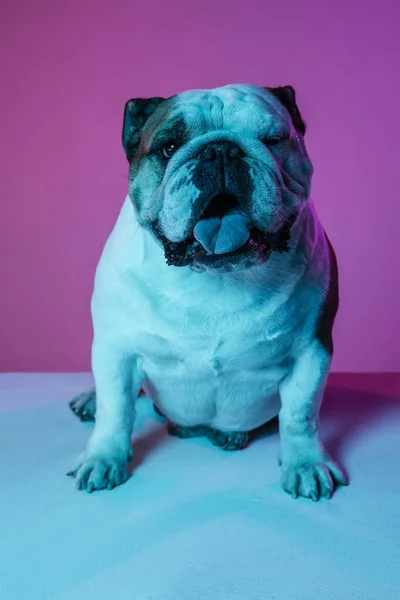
<point x="67" y="68"/>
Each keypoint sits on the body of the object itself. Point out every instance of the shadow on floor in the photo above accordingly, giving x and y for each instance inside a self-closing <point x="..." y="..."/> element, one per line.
<point x="349" y="412"/>
<point x="146" y="443"/>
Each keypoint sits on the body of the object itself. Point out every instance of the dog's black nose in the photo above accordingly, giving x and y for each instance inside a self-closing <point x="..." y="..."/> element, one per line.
<point x="226" y="150"/>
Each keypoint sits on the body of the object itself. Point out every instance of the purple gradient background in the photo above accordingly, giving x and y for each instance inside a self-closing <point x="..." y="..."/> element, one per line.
<point x="68" y="67"/>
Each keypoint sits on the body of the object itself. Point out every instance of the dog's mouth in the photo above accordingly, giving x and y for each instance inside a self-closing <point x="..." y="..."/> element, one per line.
<point x="224" y="234"/>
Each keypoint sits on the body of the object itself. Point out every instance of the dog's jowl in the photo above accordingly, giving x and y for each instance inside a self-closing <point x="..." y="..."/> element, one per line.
<point x="217" y="289"/>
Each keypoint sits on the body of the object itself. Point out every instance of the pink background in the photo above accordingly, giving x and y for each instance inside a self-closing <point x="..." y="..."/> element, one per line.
<point x="67" y="68"/>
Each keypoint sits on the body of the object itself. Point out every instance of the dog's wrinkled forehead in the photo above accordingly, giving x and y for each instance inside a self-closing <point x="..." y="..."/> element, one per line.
<point x="233" y="107"/>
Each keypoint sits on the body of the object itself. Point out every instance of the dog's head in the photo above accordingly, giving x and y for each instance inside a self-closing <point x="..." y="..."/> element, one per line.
<point x="218" y="176"/>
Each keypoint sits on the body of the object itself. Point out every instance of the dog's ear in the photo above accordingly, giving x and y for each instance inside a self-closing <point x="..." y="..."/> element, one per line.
<point x="287" y="96"/>
<point x="136" y="113"/>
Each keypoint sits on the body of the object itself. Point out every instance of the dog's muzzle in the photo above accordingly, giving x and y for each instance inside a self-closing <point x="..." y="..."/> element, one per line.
<point x="222" y="230"/>
<point x="219" y="236"/>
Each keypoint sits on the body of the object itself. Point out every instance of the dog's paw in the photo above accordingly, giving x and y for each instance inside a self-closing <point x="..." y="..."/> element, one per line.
<point x="313" y="479"/>
<point x="100" y="472"/>
<point x="84" y="406"/>
<point x="229" y="440"/>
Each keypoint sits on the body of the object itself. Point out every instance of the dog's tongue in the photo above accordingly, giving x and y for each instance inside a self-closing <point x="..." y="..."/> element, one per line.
<point x="219" y="235"/>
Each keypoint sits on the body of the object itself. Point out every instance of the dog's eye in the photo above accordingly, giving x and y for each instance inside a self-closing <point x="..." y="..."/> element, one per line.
<point x="169" y="148"/>
<point x="274" y="140"/>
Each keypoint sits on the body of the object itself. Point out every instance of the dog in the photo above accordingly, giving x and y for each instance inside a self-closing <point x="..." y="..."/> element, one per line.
<point x="217" y="289"/>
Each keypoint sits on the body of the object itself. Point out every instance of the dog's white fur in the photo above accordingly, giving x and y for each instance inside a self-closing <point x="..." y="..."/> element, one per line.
<point x="226" y="350"/>
<point x="213" y="349"/>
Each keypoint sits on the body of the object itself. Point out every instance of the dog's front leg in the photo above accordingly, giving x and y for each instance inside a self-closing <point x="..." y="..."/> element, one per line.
<point x="104" y="462"/>
<point x="307" y="468"/>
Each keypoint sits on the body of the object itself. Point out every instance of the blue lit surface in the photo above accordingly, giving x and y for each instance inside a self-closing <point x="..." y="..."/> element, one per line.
<point x="193" y="522"/>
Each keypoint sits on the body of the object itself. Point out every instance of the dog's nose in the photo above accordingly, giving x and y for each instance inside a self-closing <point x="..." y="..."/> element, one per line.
<point x="226" y="150"/>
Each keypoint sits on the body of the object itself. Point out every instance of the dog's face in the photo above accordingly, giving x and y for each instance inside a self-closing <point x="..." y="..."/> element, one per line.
<point x="218" y="176"/>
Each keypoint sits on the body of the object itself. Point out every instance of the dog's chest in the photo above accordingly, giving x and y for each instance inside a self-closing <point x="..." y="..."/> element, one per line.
<point x="221" y="371"/>
<point x="201" y="345"/>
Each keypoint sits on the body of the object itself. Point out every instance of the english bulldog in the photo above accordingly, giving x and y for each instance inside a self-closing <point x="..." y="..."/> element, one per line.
<point x="217" y="289"/>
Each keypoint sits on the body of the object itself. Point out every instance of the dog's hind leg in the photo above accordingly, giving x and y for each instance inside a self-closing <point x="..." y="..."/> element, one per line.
<point x="84" y="406"/>
<point x="187" y="432"/>
<point x="157" y="410"/>
<point x="234" y="440"/>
